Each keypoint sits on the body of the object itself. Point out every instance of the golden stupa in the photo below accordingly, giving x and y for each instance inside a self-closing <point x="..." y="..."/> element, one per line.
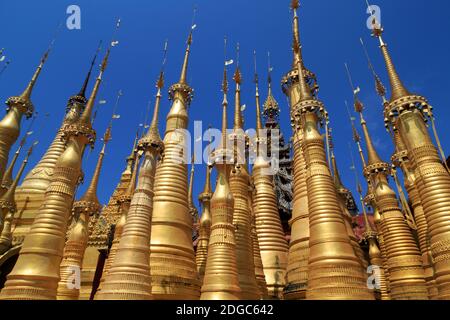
<point x="247" y="242"/>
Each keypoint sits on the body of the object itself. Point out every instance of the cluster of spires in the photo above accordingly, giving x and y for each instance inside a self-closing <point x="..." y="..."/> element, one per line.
<point x="242" y="253"/>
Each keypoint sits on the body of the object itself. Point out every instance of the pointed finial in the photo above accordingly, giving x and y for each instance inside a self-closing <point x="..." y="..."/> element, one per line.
<point x="305" y="90"/>
<point x="91" y="192"/>
<point x="237" y="101"/>
<point x="398" y="90"/>
<point x="237" y="74"/>
<point x="223" y="144"/>
<point x="82" y="92"/>
<point x="269" y="72"/>
<point x="336" y="177"/>
<point x="358" y="105"/>
<point x="373" y="156"/>
<point x="23" y="102"/>
<point x="153" y="137"/>
<point x="183" y="75"/>
<point x="7" y="200"/>
<point x="115" y="115"/>
<point x="27" y="92"/>
<point x="379" y="86"/>
<point x="133" y="152"/>
<point x="356" y="136"/>
<point x="258" y="105"/>
<point x="133" y="180"/>
<point x="87" y="113"/>
<point x="271" y="107"/>
<point x="295" y="32"/>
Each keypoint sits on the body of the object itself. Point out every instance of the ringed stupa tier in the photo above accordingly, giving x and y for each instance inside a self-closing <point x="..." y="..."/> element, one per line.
<point x="30" y="194"/>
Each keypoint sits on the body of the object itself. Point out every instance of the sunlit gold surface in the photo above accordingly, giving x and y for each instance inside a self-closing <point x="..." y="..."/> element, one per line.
<point x="83" y="209"/>
<point x="43" y="246"/>
<point x="18" y="106"/>
<point x="129" y="274"/>
<point x="406" y="112"/>
<point x="221" y="281"/>
<point x="297" y="268"/>
<point x="205" y="226"/>
<point x="400" y="159"/>
<point x="259" y="270"/>
<point x="342" y="194"/>
<point x="406" y="274"/>
<point x="239" y="182"/>
<point x="8" y="208"/>
<point x="172" y="259"/>
<point x="30" y="194"/>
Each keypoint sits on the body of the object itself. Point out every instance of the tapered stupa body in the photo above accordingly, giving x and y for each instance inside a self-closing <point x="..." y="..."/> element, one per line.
<point x="17" y="107"/>
<point x="259" y="270"/>
<point x="172" y="258"/>
<point x="118" y="230"/>
<point x="343" y="196"/>
<point x="30" y="194"/>
<point x="334" y="269"/>
<point x="129" y="275"/>
<point x="297" y="268"/>
<point x="86" y="207"/>
<point x="400" y="159"/>
<point x="221" y="281"/>
<point x="272" y="243"/>
<point x="205" y="226"/>
<point x="100" y="232"/>
<point x="44" y="245"/>
<point x="8" y="208"/>
<point x="239" y="184"/>
<point x="406" y="274"/>
<point x="408" y="112"/>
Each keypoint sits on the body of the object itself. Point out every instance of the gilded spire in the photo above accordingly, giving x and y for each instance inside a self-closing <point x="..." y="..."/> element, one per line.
<point x="237" y="102"/>
<point x="91" y="192"/>
<point x="398" y="90"/>
<point x="379" y="86"/>
<point x="337" y="178"/>
<point x="295" y="32"/>
<point x="223" y="144"/>
<point x="184" y="69"/>
<point x="82" y="92"/>
<point x="222" y="237"/>
<point x="270" y="105"/>
<point x="87" y="113"/>
<point x="8" y="176"/>
<point x="132" y="186"/>
<point x="7" y="200"/>
<point x="258" y="104"/>
<point x="8" y="208"/>
<point x="25" y="98"/>
<point x="153" y="136"/>
<point x="373" y="157"/>
<point x="305" y="91"/>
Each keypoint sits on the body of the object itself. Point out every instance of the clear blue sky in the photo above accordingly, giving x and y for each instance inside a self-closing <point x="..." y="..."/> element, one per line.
<point x="415" y="32"/>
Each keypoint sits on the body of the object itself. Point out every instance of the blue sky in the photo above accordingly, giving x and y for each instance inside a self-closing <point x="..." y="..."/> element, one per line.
<point x="330" y="32"/>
